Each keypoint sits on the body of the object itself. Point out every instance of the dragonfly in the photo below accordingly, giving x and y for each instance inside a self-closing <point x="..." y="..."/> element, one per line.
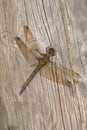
<point x="42" y="61"/>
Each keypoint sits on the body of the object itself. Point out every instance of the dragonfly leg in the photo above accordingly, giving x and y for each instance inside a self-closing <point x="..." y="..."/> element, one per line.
<point x="39" y="52"/>
<point x="34" y="64"/>
<point x="69" y="83"/>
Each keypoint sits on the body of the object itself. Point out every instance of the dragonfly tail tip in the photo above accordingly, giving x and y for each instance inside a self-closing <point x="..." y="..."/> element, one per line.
<point x="21" y="92"/>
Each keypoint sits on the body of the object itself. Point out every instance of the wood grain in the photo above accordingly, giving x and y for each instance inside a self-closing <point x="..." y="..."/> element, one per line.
<point x="44" y="105"/>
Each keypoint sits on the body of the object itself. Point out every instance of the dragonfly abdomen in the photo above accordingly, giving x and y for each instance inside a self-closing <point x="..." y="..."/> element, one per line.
<point x="27" y="82"/>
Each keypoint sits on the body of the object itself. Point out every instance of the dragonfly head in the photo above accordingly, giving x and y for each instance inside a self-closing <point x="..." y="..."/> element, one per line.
<point x="50" y="51"/>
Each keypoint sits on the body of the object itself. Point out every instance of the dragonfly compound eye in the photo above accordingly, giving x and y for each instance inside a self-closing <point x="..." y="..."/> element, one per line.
<point x="51" y="51"/>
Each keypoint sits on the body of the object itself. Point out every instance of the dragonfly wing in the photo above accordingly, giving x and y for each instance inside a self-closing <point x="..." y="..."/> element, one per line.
<point x="50" y="73"/>
<point x="29" y="38"/>
<point x="27" y="53"/>
<point x="64" y="70"/>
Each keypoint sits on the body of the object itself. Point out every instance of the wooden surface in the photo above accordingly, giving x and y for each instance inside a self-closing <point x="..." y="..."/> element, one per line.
<point x="44" y="105"/>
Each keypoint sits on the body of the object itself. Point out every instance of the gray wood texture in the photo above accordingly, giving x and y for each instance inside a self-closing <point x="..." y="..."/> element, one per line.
<point x="44" y="105"/>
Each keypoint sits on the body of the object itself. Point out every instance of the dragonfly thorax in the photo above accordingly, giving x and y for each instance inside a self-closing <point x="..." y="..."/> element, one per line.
<point x="42" y="61"/>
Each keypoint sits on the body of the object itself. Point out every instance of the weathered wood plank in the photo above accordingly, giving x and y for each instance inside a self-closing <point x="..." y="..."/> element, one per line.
<point x="44" y="105"/>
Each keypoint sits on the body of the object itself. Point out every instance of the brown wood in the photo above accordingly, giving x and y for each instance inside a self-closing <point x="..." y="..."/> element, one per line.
<point x="45" y="105"/>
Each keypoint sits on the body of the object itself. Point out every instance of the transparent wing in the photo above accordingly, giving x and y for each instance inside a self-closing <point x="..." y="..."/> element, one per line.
<point x="50" y="73"/>
<point x="29" y="38"/>
<point x="55" y="73"/>
<point x="27" y="53"/>
<point x="64" y="70"/>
